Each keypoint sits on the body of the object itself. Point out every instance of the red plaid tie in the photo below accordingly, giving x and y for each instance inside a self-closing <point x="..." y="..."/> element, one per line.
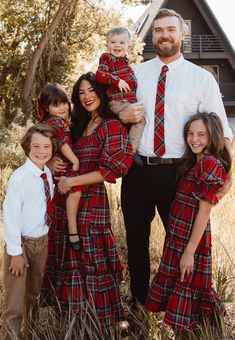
<point x="159" y="146"/>
<point x="48" y="197"/>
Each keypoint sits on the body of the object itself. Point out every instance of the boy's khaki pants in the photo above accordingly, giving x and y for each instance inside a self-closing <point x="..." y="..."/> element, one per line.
<point x="21" y="292"/>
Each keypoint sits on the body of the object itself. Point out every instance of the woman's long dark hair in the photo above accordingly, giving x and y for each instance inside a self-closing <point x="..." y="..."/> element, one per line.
<point x="80" y="116"/>
<point x="215" y="147"/>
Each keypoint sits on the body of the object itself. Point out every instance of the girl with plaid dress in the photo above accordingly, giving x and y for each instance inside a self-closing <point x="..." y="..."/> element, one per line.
<point x="88" y="280"/>
<point x="182" y="286"/>
<point x="54" y="108"/>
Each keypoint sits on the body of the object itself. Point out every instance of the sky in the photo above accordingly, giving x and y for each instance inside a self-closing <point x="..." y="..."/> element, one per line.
<point x="222" y="9"/>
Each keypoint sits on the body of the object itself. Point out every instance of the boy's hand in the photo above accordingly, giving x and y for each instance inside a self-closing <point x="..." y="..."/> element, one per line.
<point x="18" y="263"/>
<point x="123" y="86"/>
<point x="75" y="166"/>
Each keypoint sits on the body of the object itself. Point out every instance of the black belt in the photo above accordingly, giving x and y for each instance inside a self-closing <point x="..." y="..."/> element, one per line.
<point x="157" y="161"/>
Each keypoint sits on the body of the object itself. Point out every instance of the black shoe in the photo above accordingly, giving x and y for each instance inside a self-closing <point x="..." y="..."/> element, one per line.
<point x="137" y="160"/>
<point x="75" y="245"/>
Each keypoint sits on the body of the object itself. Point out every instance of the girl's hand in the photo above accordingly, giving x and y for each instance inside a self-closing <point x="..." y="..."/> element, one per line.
<point x="64" y="184"/>
<point x="56" y="164"/>
<point x="186" y="264"/>
<point x="17" y="265"/>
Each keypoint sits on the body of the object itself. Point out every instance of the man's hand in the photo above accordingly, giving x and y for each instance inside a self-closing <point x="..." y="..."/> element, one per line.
<point x="133" y="113"/>
<point x="123" y="86"/>
<point x="56" y="164"/>
<point x="18" y="264"/>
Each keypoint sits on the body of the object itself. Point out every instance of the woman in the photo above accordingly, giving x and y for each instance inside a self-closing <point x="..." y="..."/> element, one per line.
<point x="91" y="275"/>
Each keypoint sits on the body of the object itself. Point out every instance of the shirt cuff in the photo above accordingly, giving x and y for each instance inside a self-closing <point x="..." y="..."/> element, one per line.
<point x="14" y="251"/>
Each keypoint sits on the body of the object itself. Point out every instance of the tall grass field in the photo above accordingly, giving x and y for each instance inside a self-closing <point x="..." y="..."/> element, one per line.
<point x="86" y="326"/>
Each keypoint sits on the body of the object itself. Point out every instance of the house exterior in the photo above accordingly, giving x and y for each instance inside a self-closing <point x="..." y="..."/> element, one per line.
<point x="205" y="43"/>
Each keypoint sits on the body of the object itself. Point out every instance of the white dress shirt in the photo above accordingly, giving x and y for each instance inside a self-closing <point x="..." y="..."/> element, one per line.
<point x="24" y="207"/>
<point x="189" y="89"/>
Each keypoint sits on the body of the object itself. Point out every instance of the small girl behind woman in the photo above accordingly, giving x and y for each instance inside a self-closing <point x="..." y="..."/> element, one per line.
<point x="54" y="108"/>
<point x="182" y="286"/>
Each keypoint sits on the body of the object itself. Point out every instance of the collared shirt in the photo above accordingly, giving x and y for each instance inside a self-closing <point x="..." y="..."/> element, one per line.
<point x="189" y="89"/>
<point x="111" y="69"/>
<point x="24" y="207"/>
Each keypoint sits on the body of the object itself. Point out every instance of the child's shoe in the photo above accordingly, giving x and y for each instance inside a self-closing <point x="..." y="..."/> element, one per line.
<point x="75" y="245"/>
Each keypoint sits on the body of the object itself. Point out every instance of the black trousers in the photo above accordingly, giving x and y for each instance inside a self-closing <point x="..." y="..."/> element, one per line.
<point x="144" y="189"/>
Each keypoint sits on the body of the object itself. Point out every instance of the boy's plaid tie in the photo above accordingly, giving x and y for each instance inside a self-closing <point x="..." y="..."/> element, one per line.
<point x="159" y="145"/>
<point x="48" y="197"/>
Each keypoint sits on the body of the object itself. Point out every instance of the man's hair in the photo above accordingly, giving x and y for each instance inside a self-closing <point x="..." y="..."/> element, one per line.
<point x="44" y="129"/>
<point x="118" y="30"/>
<point x="166" y="12"/>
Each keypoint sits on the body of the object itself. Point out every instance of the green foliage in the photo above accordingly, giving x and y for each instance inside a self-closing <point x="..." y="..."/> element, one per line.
<point x="74" y="48"/>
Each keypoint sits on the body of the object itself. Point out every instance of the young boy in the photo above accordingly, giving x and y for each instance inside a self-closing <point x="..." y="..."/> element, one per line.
<point x="114" y="70"/>
<point x="25" y="224"/>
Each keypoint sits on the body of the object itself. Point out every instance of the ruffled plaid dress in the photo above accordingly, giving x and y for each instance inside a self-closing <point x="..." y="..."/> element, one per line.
<point x="90" y="277"/>
<point x="187" y="304"/>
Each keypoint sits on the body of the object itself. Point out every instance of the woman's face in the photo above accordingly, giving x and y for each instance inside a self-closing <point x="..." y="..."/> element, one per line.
<point x="88" y="98"/>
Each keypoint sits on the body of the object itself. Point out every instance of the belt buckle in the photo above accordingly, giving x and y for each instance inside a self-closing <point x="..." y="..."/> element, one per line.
<point x="148" y="161"/>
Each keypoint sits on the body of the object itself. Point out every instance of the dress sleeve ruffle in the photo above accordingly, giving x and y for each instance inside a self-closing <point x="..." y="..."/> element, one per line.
<point x="210" y="177"/>
<point x="117" y="155"/>
<point x="62" y="130"/>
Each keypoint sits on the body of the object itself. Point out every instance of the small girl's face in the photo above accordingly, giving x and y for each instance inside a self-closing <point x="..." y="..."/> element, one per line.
<point x="40" y="150"/>
<point x="117" y="44"/>
<point x="60" y="110"/>
<point x="198" y="138"/>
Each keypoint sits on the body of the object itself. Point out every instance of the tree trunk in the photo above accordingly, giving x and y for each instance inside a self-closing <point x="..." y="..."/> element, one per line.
<point x="30" y="75"/>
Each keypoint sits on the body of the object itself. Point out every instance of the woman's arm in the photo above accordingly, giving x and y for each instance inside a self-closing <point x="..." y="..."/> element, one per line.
<point x="200" y="223"/>
<point x="66" y="183"/>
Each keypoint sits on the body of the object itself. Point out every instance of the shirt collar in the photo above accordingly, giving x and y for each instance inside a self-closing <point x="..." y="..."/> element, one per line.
<point x="33" y="168"/>
<point x="119" y="58"/>
<point x="172" y="65"/>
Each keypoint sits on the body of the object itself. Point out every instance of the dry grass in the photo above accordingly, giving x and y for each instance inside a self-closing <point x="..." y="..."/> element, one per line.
<point x="87" y="327"/>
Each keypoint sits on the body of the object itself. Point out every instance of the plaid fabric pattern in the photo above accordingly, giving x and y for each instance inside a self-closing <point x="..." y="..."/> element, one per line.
<point x="111" y="69"/>
<point x="159" y="144"/>
<point x="48" y="198"/>
<point x="63" y="134"/>
<point x="187" y="303"/>
<point x="88" y="278"/>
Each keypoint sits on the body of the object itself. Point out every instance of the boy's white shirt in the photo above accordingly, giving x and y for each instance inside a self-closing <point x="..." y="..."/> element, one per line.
<point x="24" y="207"/>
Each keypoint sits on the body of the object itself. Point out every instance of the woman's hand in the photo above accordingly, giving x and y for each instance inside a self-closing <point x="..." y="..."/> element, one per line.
<point x="56" y="164"/>
<point x="186" y="264"/>
<point x="64" y="184"/>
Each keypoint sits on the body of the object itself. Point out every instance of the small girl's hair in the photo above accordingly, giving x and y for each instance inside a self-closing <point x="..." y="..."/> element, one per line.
<point x="117" y="31"/>
<point x="51" y="94"/>
<point x="44" y="129"/>
<point x="215" y="147"/>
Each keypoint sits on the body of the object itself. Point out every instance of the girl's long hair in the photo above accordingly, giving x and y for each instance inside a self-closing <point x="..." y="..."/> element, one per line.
<point x="80" y="116"/>
<point x="51" y="94"/>
<point x="215" y="147"/>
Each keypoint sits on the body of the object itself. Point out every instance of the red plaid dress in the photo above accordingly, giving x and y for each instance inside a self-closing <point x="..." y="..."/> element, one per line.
<point x="111" y="69"/>
<point x="186" y="304"/>
<point x="64" y="136"/>
<point x="90" y="277"/>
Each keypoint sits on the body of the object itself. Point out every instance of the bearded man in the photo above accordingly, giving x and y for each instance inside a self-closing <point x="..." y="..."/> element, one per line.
<point x="171" y="89"/>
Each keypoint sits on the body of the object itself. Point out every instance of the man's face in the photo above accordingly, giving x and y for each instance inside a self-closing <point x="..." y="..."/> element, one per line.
<point x="167" y="37"/>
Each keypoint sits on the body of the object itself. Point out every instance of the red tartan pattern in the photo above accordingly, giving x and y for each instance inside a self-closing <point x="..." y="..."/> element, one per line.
<point x="63" y="134"/>
<point x="159" y="142"/>
<point x="111" y="69"/>
<point x="91" y="275"/>
<point x="187" y="304"/>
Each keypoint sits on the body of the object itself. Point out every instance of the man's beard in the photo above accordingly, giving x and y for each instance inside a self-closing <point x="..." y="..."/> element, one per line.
<point x="167" y="52"/>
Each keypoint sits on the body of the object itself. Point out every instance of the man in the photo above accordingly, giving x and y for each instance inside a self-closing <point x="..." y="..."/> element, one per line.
<point x="185" y="89"/>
